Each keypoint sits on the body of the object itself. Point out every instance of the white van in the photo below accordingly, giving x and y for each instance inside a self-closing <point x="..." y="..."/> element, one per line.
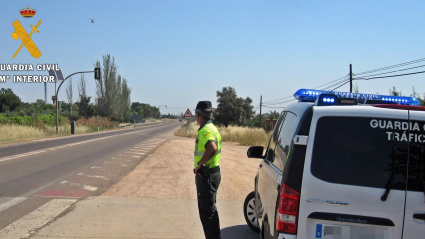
<point x="335" y="169"/>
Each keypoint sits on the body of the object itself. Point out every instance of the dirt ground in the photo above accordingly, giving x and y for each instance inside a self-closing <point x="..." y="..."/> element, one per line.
<point x="168" y="173"/>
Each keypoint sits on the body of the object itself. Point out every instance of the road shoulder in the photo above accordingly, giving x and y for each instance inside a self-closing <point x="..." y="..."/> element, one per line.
<point x="157" y="199"/>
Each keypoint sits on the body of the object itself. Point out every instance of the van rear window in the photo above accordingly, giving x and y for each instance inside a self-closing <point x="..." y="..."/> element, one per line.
<point x="360" y="151"/>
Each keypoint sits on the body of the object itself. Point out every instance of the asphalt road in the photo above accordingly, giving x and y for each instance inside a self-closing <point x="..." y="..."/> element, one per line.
<point x="32" y="174"/>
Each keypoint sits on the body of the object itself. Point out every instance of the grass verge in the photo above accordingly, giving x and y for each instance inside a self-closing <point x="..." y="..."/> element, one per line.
<point x="242" y="135"/>
<point x="13" y="133"/>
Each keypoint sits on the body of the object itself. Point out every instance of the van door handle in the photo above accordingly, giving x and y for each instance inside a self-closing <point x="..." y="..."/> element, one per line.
<point x="420" y="216"/>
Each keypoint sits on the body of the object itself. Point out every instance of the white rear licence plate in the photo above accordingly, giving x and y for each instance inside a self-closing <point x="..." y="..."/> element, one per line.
<point x="329" y="231"/>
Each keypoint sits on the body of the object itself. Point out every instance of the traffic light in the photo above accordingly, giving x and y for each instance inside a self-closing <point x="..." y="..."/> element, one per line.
<point x="97" y="73"/>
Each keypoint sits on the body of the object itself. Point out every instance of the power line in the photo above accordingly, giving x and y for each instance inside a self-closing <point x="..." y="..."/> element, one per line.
<point x="331" y="82"/>
<point x="337" y="83"/>
<point x="274" y="107"/>
<point x="419" y="72"/>
<point x="341" y="85"/>
<point x="393" y="66"/>
<point x="282" y="102"/>
<point x="340" y="79"/>
<point x="394" y="71"/>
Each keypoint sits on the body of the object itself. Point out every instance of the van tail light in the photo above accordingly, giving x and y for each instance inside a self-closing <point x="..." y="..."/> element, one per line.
<point x="286" y="219"/>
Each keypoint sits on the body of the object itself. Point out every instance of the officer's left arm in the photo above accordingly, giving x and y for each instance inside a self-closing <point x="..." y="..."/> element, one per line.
<point x="211" y="149"/>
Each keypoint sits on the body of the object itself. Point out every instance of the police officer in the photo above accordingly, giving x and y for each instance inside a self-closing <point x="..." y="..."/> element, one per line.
<point x="208" y="177"/>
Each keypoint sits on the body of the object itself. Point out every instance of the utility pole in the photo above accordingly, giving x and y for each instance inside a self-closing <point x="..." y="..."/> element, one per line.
<point x="261" y="103"/>
<point x="351" y="79"/>
<point x="45" y="93"/>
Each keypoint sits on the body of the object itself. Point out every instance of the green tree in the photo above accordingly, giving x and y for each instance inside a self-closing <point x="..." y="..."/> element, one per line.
<point x="107" y="86"/>
<point x="394" y="92"/>
<point x="231" y="109"/>
<point x="84" y="107"/>
<point x="138" y="108"/>
<point x="69" y="94"/>
<point x="8" y="100"/>
<point x="125" y="98"/>
<point x="416" y="95"/>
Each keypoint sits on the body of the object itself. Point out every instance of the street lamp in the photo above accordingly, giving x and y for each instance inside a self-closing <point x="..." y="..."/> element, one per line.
<point x="158" y="109"/>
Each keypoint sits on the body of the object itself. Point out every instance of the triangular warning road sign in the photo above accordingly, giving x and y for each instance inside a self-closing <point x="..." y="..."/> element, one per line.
<point x="188" y="114"/>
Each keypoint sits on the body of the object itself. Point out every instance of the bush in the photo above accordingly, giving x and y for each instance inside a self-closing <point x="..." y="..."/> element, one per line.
<point x="50" y="119"/>
<point x="18" y="120"/>
<point x="93" y="122"/>
<point x="3" y="119"/>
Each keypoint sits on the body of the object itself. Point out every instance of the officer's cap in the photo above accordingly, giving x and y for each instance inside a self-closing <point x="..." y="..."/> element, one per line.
<point x="203" y="106"/>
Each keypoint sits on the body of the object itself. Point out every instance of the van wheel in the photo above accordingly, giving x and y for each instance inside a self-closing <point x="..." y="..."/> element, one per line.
<point x="249" y="212"/>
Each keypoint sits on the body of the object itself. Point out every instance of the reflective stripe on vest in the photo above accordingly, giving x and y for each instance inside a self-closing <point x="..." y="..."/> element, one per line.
<point x="197" y="153"/>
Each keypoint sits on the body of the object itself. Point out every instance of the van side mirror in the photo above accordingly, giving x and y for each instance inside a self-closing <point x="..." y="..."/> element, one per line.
<point x="255" y="152"/>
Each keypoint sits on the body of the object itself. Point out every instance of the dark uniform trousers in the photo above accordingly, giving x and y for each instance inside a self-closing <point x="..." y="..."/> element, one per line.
<point x="207" y="195"/>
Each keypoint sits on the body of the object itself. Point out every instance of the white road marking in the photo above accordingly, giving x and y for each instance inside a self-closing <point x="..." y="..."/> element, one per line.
<point x="86" y="187"/>
<point x="7" y="202"/>
<point x="124" y="165"/>
<point x="135" y="153"/>
<point x="23" y="227"/>
<point x="94" y="176"/>
<point x="139" y="150"/>
<point x="90" y="188"/>
<point x="66" y="145"/>
<point x="132" y="152"/>
<point x="135" y="156"/>
<point x="95" y="167"/>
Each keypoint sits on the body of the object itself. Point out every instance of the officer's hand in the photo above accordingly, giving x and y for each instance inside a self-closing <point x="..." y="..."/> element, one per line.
<point x="195" y="171"/>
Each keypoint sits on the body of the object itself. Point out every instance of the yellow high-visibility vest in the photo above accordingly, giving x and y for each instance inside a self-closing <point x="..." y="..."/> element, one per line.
<point x="207" y="133"/>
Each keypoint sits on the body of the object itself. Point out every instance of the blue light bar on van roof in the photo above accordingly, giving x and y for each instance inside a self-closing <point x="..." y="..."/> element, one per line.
<point x="312" y="95"/>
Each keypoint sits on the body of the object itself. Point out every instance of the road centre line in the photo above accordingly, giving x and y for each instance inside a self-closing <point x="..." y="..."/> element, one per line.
<point x="65" y="145"/>
<point x="140" y="150"/>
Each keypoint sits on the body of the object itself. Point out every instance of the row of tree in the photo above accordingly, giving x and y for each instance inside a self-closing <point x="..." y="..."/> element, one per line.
<point x="145" y="110"/>
<point x="112" y="93"/>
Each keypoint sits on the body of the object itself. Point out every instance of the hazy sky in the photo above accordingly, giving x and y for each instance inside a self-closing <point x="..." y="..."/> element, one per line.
<point x="176" y="53"/>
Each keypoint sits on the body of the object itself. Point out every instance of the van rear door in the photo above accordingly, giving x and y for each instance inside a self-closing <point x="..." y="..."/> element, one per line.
<point x="414" y="222"/>
<point x="354" y="180"/>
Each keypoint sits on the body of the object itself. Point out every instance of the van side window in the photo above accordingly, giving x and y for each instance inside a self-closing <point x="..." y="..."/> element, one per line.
<point x="361" y="151"/>
<point x="286" y="135"/>
<point x="273" y="139"/>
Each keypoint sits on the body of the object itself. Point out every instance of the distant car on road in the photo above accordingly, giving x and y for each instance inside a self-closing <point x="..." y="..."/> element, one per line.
<point x="180" y="119"/>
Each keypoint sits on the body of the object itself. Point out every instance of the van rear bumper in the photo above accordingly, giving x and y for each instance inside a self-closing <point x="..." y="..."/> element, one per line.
<point x="286" y="236"/>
